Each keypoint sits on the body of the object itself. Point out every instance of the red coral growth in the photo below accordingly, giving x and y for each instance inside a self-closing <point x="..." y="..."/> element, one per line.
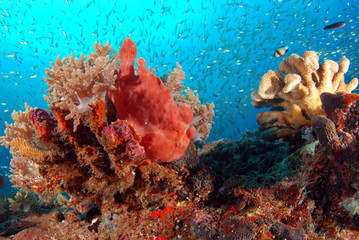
<point x="336" y="106"/>
<point x="43" y="122"/>
<point x="333" y="103"/>
<point x="120" y="139"/>
<point x="63" y="124"/>
<point x="160" y="214"/>
<point x="146" y="103"/>
<point x="97" y="119"/>
<point x="102" y="163"/>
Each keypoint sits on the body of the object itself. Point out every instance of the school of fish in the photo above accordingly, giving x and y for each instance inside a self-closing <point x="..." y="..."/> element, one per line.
<point x="224" y="47"/>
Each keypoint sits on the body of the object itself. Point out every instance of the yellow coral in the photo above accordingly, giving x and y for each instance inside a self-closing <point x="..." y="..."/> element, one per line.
<point x="21" y="136"/>
<point x="21" y="147"/>
<point x="74" y="83"/>
<point x="296" y="88"/>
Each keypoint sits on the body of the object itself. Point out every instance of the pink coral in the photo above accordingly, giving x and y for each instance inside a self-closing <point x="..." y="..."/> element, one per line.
<point x="147" y="104"/>
<point x="119" y="139"/>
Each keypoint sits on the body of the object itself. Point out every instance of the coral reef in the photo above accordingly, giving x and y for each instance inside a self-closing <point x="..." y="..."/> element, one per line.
<point x="337" y="130"/>
<point x="335" y="172"/>
<point x="99" y="172"/>
<point x="294" y="91"/>
<point x="308" y="205"/>
<point x="105" y="136"/>
<point x="318" y="201"/>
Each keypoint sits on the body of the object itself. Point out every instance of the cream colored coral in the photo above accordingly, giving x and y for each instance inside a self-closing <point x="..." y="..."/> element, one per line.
<point x="296" y="87"/>
<point x="202" y="114"/>
<point x="21" y="128"/>
<point x="27" y="151"/>
<point x="76" y="82"/>
<point x="25" y="173"/>
<point x="174" y="80"/>
<point x="22" y="147"/>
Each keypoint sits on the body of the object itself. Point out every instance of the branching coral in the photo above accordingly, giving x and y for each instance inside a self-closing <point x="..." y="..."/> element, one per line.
<point x="202" y="115"/>
<point x="296" y="89"/>
<point x="25" y="145"/>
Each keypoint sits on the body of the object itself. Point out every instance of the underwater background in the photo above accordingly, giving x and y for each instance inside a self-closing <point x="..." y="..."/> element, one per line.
<point x="224" y="47"/>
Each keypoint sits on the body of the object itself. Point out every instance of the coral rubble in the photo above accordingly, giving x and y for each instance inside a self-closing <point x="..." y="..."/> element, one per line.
<point x="294" y="91"/>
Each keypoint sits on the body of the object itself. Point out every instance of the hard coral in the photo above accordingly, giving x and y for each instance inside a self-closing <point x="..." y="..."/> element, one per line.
<point x="294" y="91"/>
<point x="147" y="105"/>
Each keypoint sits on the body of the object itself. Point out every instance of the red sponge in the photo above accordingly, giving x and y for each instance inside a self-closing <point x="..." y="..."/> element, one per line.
<point x="146" y="103"/>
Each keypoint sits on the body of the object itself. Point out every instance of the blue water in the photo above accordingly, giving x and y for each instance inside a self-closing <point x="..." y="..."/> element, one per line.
<point x="223" y="46"/>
